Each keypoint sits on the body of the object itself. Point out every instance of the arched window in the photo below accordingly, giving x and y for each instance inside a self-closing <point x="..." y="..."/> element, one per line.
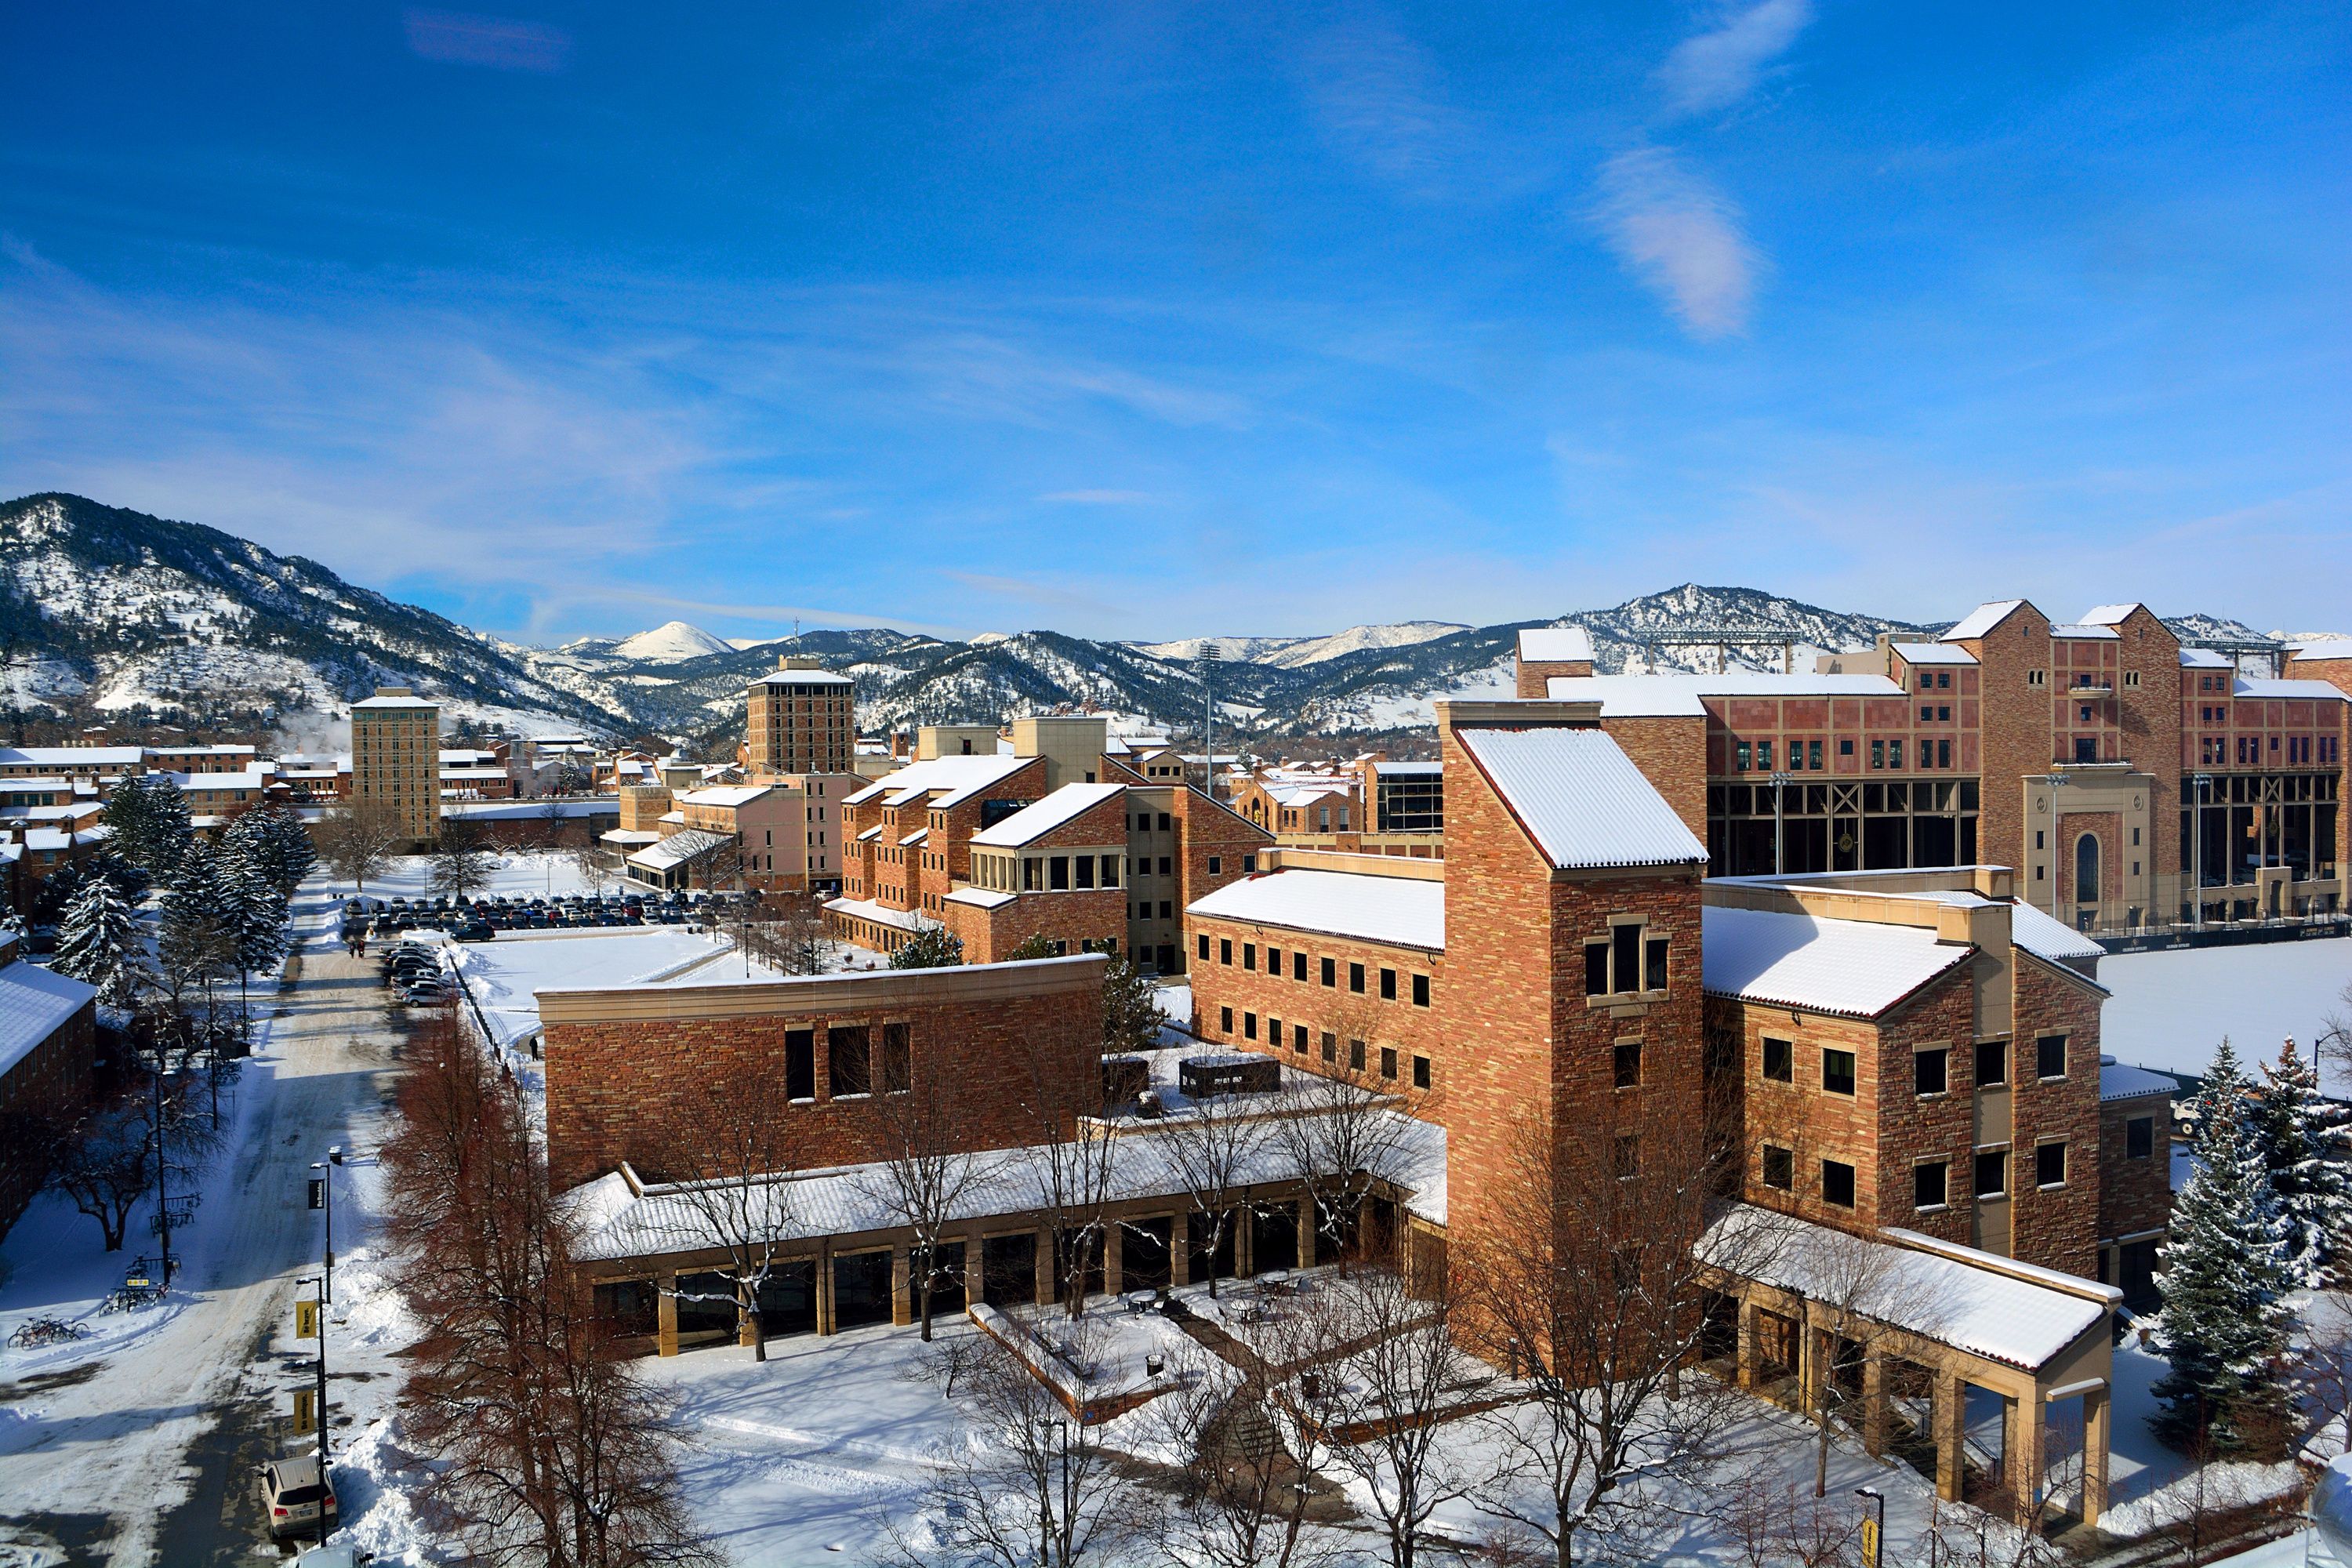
<point x="2086" y="870"/>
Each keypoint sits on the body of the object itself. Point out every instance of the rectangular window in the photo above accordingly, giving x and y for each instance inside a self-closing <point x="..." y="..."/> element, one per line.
<point x="1298" y="1039"/>
<point x="1845" y="748"/>
<point x="1742" y="757"/>
<point x="2050" y="1057"/>
<point x="1837" y="1071"/>
<point x="1205" y="948"/>
<point x="1249" y="956"/>
<point x="1943" y="754"/>
<point x="800" y="1064"/>
<point x="1628" y="1064"/>
<point x="1163" y="827"/>
<point x="1225" y="1020"/>
<point x="1388" y="1062"/>
<point x="1249" y="1026"/>
<point x="1298" y="967"/>
<point x="1596" y="969"/>
<point x="1167" y="863"/>
<point x="1993" y="1172"/>
<point x="1813" y="755"/>
<point x="1764" y="756"/>
<point x="1274" y="1033"/>
<point x="2139" y="1137"/>
<point x="1388" y="985"/>
<point x="1625" y="1156"/>
<point x="1626" y="957"/>
<point x="1779" y="1060"/>
<point x="1837" y="1184"/>
<point x="1355" y="1055"/>
<point x="851" y="1054"/>
<point x="1420" y="1072"/>
<point x="1057" y="874"/>
<point x="1926" y="713"/>
<point x="1993" y="1063"/>
<point x="1654" y="975"/>
<point x="1110" y="870"/>
<point x="1085" y="869"/>
<point x="1931" y="1071"/>
<point x="1878" y="753"/>
<point x="1331" y="1046"/>
<point x="1356" y="978"/>
<point x="1893" y="753"/>
<point x="1330" y="973"/>
<point x="1930" y="1185"/>
<point x="1779" y="1168"/>
<point x="1421" y="990"/>
<point x="1216" y="864"/>
<point x="2050" y="1165"/>
<point x="898" y="1060"/>
<point x="1225" y="951"/>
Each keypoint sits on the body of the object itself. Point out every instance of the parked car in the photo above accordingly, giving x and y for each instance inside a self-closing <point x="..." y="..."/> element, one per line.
<point x="424" y="993"/>
<point x="293" y="1495"/>
<point x="478" y="931"/>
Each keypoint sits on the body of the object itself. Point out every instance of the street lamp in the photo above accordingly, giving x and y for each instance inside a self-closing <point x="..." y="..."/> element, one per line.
<point x="2056" y="781"/>
<point x="1780" y="779"/>
<point x="1059" y="1529"/>
<point x="1874" y="1530"/>
<point x="322" y="1197"/>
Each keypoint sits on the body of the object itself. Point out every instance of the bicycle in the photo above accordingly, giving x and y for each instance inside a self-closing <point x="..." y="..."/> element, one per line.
<point x="37" y="1332"/>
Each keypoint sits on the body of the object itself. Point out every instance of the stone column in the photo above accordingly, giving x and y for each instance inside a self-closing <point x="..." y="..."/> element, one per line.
<point x="902" y="1271"/>
<point x="1114" y="1259"/>
<point x="2021" y="1449"/>
<point x="2096" y="1437"/>
<point x="1179" y="1248"/>
<point x="1046" y="1283"/>
<point x="665" y="1313"/>
<point x="975" y="1278"/>
<point x="1874" y="1404"/>
<point x="1307" y="1233"/>
<point x="825" y="1308"/>
<point x="1949" y="1420"/>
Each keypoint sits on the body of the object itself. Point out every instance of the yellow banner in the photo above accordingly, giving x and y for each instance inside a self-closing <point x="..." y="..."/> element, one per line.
<point x="1870" y="1543"/>
<point x="306" y="1319"/>
<point x="306" y="1413"/>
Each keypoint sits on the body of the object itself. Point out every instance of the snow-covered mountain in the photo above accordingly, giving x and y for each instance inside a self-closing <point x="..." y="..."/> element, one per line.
<point x="669" y="643"/>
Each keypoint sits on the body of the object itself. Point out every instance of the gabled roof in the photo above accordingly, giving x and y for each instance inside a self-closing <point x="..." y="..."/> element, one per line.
<point x="2117" y="1082"/>
<point x="2108" y="615"/>
<point x="2205" y="658"/>
<point x="961" y="777"/>
<point x="1859" y="968"/>
<point x="1581" y="798"/>
<point x="1405" y="910"/>
<point x="1032" y="823"/>
<point x="914" y="839"/>
<point x="35" y="1002"/>
<point x="1981" y="620"/>
<point x="1555" y="644"/>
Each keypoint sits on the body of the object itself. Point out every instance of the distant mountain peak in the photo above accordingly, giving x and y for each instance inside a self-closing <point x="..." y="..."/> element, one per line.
<point x="672" y="642"/>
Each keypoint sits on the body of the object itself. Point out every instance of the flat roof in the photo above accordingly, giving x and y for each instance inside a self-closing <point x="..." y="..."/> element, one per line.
<point x="800" y="678"/>
<point x="1682" y="696"/>
<point x="1401" y="910"/>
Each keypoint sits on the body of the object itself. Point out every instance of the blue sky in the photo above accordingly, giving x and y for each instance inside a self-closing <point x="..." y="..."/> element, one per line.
<point x="1145" y="322"/>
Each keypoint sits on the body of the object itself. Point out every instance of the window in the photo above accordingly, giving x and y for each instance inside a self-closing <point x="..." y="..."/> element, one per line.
<point x="1926" y="681"/>
<point x="1993" y="1063"/>
<point x="1274" y="1033"/>
<point x="2139" y="1137"/>
<point x="1628" y="1064"/>
<point x="1420" y="1072"/>
<point x="1216" y="864"/>
<point x="1356" y="978"/>
<point x="1249" y="1026"/>
<point x="2131" y="677"/>
<point x="1330" y="973"/>
<point x="1388" y="1062"/>
<point x="1249" y="956"/>
<point x="2037" y="678"/>
<point x="1625" y="1156"/>
<point x="1813" y="755"/>
<point x="1742" y="757"/>
<point x="1225" y="951"/>
<point x="852" y="1060"/>
<point x="1837" y="1184"/>
<point x="1655" y="979"/>
<point x="1930" y="1183"/>
<point x="1779" y="1060"/>
<point x="897" y="1074"/>
<point x="1878" y="753"/>
<point x="1298" y="967"/>
<point x="2050" y="1165"/>
<point x="1596" y="969"/>
<point x="1225" y="1019"/>
<point x="1625" y="943"/>
<point x="1893" y="753"/>
<point x="1931" y="1071"/>
<point x="1926" y="713"/>
<point x="1057" y="874"/>
<point x="1993" y="1172"/>
<point x="800" y="1064"/>
<point x="1388" y="985"/>
<point x="1085" y="869"/>
<point x="1205" y="948"/>
<point x="1421" y="990"/>
<point x="1837" y="1071"/>
<point x="1110" y="870"/>
<point x="1166" y="862"/>
<point x="1355" y="1055"/>
<point x="2050" y="1057"/>
<point x="1764" y="755"/>
<point x="1779" y="1168"/>
<point x="1943" y="754"/>
<point x="1331" y="1046"/>
<point x="1845" y="748"/>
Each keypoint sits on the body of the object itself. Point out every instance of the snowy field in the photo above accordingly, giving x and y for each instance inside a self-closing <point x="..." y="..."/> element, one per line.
<point x="517" y="874"/>
<point x="2170" y="1009"/>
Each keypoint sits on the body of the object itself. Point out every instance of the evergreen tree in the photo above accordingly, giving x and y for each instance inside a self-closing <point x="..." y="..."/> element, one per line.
<point x="130" y="881"/>
<point x="149" y="822"/>
<point x="255" y="912"/>
<point x="1132" y="1016"/>
<point x="59" y="890"/>
<point x="195" y="942"/>
<point x="127" y="819"/>
<point x="102" y="944"/>
<point x="273" y="838"/>
<point x="2301" y="1147"/>
<point x="2224" y="1276"/>
<point x="933" y="947"/>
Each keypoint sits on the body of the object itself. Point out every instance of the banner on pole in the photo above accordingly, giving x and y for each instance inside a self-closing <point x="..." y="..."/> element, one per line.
<point x="306" y="1412"/>
<point x="306" y="1319"/>
<point x="318" y="1192"/>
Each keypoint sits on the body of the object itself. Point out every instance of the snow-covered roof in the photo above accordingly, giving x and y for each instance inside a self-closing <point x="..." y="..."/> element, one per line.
<point x="369" y="702"/>
<point x="1555" y="644"/>
<point x="35" y="1002"/>
<point x="881" y="914"/>
<point x="1408" y="912"/>
<point x="48" y="838"/>
<point x="2205" y="658"/>
<point x="1408" y="769"/>
<point x="2054" y="939"/>
<point x="1860" y="968"/>
<point x="914" y="839"/>
<point x="2263" y="685"/>
<point x="626" y="836"/>
<point x="677" y="849"/>
<point x="961" y="776"/>
<point x="847" y="1200"/>
<point x="1681" y="696"/>
<point x="1932" y="653"/>
<point x="72" y="757"/>
<point x="1032" y="823"/>
<point x="979" y="897"/>
<point x="802" y="678"/>
<point x="2322" y="650"/>
<point x="2108" y="615"/>
<point x="1581" y="798"/>
<point x="2087" y="634"/>
<point x="2118" y="1082"/>
<point x="725" y="795"/>
<point x="1981" y="620"/>
<point x="511" y="810"/>
<point x="869" y="835"/>
<point x="2009" y="1311"/>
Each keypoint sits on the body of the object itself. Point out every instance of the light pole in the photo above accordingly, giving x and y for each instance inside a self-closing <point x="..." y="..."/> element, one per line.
<point x="1058" y="1529"/>
<point x="321" y="1308"/>
<point x="2203" y="784"/>
<point x="1779" y="780"/>
<point x="322" y="1197"/>
<point x="1874" y="1530"/>
<point x="2056" y="781"/>
<point x="162" y="1203"/>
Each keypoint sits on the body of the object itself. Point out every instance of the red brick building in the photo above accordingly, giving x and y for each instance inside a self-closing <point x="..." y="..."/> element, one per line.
<point x="47" y="1036"/>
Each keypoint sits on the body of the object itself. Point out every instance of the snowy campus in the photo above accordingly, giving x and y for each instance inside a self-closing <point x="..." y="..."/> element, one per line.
<point x="1406" y="786"/>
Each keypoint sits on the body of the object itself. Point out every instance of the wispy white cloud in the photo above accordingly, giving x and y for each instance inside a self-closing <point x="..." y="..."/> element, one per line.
<point x="501" y="43"/>
<point x="1379" y="102"/>
<point x="1719" y="67"/>
<point x="1681" y="237"/>
<point x="1100" y="497"/>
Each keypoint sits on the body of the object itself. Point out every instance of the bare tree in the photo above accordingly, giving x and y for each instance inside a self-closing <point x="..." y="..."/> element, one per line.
<point x="1390" y="1397"/>
<point x="1585" y="1277"/>
<point x="1215" y="1144"/>
<point x="1041" y="1490"/>
<point x="723" y="1139"/>
<point x="2334" y="1043"/>
<point x="1071" y="1157"/>
<point x="462" y="859"/>
<point x="356" y="838"/>
<point x="925" y="1173"/>
<point x="103" y="1160"/>
<point x="1340" y="1136"/>
<point x="594" y="864"/>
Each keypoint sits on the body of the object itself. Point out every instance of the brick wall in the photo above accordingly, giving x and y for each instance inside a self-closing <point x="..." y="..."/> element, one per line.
<point x="51" y="1080"/>
<point x="2151" y="718"/>
<point x="1236" y="978"/>
<point x="615" y="1061"/>
<point x="1672" y="755"/>
<point x="1083" y="921"/>
<point x="2055" y="1227"/>
<point x="2015" y="738"/>
<point x="2135" y="1196"/>
<point x="1535" y="673"/>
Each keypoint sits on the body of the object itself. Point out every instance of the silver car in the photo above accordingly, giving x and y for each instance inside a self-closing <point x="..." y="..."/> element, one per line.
<point x="292" y="1494"/>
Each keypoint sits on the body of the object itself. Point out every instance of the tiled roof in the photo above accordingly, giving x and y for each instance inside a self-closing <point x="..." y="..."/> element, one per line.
<point x="1581" y="798"/>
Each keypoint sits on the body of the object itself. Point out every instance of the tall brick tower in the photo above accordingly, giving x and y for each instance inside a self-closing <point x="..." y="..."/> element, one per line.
<point x="396" y="757"/>
<point x="803" y="718"/>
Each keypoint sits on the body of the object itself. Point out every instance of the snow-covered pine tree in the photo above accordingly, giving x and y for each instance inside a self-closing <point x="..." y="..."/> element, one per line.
<point x="2223" y="1274"/>
<point x="169" y="830"/>
<point x="100" y="944"/>
<point x="256" y="913"/>
<point x="2303" y="1147"/>
<point x="195" y="942"/>
<point x="273" y="838"/>
<point x="126" y="819"/>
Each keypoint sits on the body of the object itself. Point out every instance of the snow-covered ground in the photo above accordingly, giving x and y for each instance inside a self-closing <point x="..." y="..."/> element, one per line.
<point x="518" y="874"/>
<point x="2170" y="1009"/>
<point x="504" y="974"/>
